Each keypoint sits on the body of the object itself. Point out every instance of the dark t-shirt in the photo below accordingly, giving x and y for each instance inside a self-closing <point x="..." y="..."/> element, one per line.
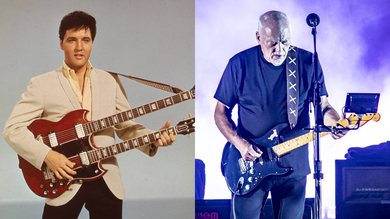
<point x="258" y="88"/>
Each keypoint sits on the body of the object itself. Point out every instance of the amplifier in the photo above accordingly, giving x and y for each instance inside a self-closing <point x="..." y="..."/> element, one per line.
<point x="362" y="189"/>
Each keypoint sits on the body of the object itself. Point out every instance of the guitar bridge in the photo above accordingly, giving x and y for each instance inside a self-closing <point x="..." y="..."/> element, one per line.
<point x="48" y="174"/>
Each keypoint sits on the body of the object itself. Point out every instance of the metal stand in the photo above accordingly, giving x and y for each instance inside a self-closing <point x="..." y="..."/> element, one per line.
<point x="313" y="20"/>
<point x="319" y="122"/>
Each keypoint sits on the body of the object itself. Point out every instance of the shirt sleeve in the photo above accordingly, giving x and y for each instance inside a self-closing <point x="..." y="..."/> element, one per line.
<point x="309" y="68"/>
<point x="226" y="92"/>
<point x="323" y="91"/>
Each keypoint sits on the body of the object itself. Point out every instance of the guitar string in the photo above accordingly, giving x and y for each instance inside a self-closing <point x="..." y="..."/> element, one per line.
<point x="284" y="147"/>
<point x="121" y="148"/>
<point x="69" y="133"/>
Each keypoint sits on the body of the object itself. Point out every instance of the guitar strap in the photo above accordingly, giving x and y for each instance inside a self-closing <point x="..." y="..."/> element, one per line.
<point x="292" y="86"/>
<point x="118" y="81"/>
<point x="154" y="84"/>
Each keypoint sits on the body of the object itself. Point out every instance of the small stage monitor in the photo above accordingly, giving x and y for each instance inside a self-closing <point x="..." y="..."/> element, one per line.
<point x="361" y="103"/>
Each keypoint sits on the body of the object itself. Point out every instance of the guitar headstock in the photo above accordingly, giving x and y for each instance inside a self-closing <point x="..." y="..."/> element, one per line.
<point x="360" y="120"/>
<point x="192" y="92"/>
<point x="186" y="126"/>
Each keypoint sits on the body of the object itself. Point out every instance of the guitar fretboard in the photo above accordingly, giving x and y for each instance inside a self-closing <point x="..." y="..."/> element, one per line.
<point x="290" y="145"/>
<point x="297" y="142"/>
<point x="101" y="124"/>
<point x="93" y="156"/>
<point x="110" y="151"/>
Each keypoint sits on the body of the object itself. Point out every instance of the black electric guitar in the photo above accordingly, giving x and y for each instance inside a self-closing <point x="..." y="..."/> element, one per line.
<point x="243" y="176"/>
<point x="88" y="159"/>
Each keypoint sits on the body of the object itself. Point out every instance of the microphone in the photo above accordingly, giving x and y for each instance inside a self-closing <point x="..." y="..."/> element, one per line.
<point x="313" y="20"/>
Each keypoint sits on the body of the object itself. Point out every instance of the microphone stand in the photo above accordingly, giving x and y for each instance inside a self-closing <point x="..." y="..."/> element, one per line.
<point x="313" y="20"/>
<point x="318" y="128"/>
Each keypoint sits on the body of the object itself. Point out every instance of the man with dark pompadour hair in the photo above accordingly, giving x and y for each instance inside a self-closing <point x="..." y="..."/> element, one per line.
<point x="76" y="84"/>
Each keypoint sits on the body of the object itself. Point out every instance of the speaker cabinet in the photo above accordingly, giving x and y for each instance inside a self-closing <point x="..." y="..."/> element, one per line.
<point x="362" y="189"/>
<point x="220" y="209"/>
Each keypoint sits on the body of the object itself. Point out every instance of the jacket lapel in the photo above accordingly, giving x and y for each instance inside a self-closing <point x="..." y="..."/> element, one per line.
<point x="68" y="89"/>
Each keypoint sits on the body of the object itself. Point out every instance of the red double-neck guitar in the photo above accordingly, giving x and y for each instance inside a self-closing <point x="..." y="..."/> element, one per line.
<point x="88" y="160"/>
<point x="71" y="136"/>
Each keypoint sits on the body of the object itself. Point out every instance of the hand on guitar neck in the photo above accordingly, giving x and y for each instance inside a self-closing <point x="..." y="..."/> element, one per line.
<point x="243" y="177"/>
<point x="331" y="120"/>
<point x="331" y="117"/>
<point x="165" y="139"/>
<point x="60" y="165"/>
<point x="81" y="160"/>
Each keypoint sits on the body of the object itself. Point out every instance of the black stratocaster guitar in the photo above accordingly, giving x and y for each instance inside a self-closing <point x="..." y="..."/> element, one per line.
<point x="243" y="176"/>
<point x="88" y="159"/>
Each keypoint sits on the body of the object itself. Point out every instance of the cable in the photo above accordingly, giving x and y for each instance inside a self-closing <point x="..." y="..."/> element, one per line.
<point x="233" y="205"/>
<point x="239" y="186"/>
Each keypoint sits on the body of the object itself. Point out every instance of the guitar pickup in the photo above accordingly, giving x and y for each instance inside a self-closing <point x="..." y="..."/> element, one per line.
<point x="53" y="139"/>
<point x="242" y="165"/>
<point x="79" y="130"/>
<point x="84" y="158"/>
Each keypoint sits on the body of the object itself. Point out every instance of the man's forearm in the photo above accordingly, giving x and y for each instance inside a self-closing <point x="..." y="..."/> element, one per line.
<point x="227" y="127"/>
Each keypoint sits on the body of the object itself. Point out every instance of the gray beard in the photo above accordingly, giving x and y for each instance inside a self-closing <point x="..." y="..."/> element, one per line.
<point x="278" y="62"/>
